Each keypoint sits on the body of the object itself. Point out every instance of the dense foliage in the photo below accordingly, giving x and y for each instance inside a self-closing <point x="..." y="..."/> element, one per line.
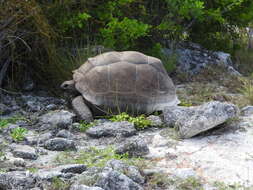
<point x="41" y="32"/>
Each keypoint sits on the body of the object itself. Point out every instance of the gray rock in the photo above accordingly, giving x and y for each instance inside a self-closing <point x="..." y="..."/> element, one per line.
<point x="38" y="139"/>
<point x="109" y="129"/>
<point x="155" y="120"/>
<point x="48" y="175"/>
<point x="114" y="180"/>
<point x="130" y="171"/>
<point x="35" y="103"/>
<point x="60" y="144"/>
<point x="192" y="59"/>
<point x="247" y="111"/>
<point x="58" y="118"/>
<point x="84" y="187"/>
<point x="136" y="147"/>
<point x="25" y="152"/>
<point x="88" y="177"/>
<point x="65" y="134"/>
<point x="16" y="180"/>
<point x="191" y="121"/>
<point x="72" y="168"/>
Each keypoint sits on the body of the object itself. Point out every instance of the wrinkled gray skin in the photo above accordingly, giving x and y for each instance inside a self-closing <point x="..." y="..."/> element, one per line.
<point x="78" y="103"/>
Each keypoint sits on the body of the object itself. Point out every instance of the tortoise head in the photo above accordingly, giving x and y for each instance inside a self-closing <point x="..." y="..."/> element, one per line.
<point x="68" y="85"/>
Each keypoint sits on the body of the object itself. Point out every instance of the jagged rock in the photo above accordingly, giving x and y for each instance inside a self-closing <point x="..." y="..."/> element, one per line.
<point x="59" y="118"/>
<point x="191" y="121"/>
<point x="25" y="152"/>
<point x="247" y="111"/>
<point x="65" y="134"/>
<point x="109" y="129"/>
<point x="156" y="121"/>
<point x="72" y="168"/>
<point x="59" y="144"/>
<point x="130" y="171"/>
<point x="84" y="187"/>
<point x="114" y="180"/>
<point x="134" y="147"/>
<point x="16" y="180"/>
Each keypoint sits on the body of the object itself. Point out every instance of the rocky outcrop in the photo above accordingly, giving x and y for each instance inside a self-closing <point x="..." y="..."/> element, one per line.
<point x="192" y="59"/>
<point x="191" y="121"/>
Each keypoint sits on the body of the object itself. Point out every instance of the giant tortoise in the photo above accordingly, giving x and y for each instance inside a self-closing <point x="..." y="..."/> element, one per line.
<point x="126" y="81"/>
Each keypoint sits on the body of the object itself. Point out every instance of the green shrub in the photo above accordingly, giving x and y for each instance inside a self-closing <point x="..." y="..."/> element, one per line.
<point x="122" y="34"/>
<point x="18" y="134"/>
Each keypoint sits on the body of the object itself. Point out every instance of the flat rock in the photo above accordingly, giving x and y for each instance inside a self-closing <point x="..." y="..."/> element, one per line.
<point x="59" y="118"/>
<point x="109" y="129"/>
<point x="191" y="121"/>
<point x="59" y="144"/>
<point x="247" y="111"/>
<point x="16" y="180"/>
<point x="25" y="152"/>
<point x="136" y="147"/>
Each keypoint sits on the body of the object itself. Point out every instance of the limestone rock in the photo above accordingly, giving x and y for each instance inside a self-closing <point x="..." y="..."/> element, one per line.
<point x="191" y="121"/>
<point x="59" y="118"/>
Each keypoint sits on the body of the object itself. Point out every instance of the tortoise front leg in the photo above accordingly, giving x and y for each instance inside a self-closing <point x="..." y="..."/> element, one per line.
<point x="81" y="109"/>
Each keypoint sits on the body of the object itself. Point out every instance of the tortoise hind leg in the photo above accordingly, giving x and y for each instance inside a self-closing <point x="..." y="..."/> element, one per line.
<point x="81" y="109"/>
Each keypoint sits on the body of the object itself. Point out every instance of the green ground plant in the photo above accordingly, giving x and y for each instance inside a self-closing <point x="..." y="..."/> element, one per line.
<point x="92" y="157"/>
<point x="5" y="122"/>
<point x="83" y="126"/>
<point x="140" y="122"/>
<point x="18" y="134"/>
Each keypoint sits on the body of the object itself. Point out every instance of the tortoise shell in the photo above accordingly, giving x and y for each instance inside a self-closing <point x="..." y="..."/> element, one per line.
<point x="127" y="81"/>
